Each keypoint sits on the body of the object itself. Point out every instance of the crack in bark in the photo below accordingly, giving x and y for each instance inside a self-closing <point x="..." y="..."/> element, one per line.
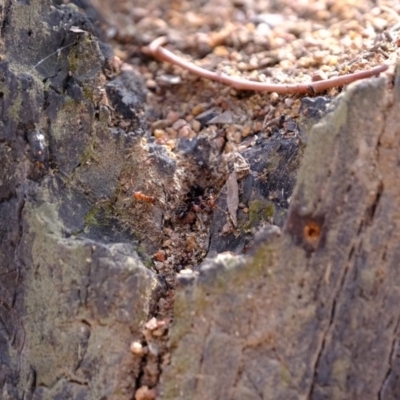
<point x="4" y="16"/>
<point x="239" y="370"/>
<point x="199" y="376"/>
<point x="392" y="356"/>
<point x="365" y="222"/>
<point x="328" y="329"/>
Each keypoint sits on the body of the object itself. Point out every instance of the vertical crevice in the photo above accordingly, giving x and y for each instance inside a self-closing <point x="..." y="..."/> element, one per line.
<point x="329" y="327"/>
<point x="391" y="361"/>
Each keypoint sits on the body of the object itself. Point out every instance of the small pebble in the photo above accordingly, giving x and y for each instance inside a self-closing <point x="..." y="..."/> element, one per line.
<point x="170" y="79"/>
<point x="184" y="132"/>
<point x="196" y="125"/>
<point x="171" y="144"/>
<point x="289" y="102"/>
<point x="319" y="76"/>
<point x="159" y="332"/>
<point x="153" y="349"/>
<point x="144" y="393"/>
<point x="274" y="97"/>
<point x="159" y="133"/>
<point x="172" y="117"/>
<point x="186" y="271"/>
<point x="221" y="51"/>
<point x="166" y="243"/>
<point x="137" y="348"/>
<point x="178" y="124"/>
<point x="151" y="84"/>
<point x="246" y="131"/>
<point x="172" y="133"/>
<point x="160" y="124"/>
<point x="199" y="108"/>
<point x="151" y="324"/>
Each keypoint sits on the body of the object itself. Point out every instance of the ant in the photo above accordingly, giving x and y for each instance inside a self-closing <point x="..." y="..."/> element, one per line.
<point x="144" y="198"/>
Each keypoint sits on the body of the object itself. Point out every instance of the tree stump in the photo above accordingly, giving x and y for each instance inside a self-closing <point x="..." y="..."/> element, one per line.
<point x="309" y="312"/>
<point x="313" y="313"/>
<point x="73" y="291"/>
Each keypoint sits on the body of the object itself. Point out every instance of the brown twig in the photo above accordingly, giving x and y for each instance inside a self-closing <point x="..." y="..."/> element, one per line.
<point x="156" y="50"/>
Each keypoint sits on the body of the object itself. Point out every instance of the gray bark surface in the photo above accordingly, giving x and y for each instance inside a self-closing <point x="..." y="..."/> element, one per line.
<point x="73" y="291"/>
<point x="313" y="314"/>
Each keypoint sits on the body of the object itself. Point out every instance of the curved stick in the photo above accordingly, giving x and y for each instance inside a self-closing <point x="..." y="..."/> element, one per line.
<point x="159" y="52"/>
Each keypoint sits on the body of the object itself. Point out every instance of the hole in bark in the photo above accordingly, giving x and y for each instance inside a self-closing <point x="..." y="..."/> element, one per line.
<point x="312" y="231"/>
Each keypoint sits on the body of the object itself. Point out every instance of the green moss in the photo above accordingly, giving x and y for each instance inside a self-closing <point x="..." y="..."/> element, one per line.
<point x="73" y="60"/>
<point x="81" y="54"/>
<point x="98" y="215"/>
<point x="340" y="370"/>
<point x="69" y="105"/>
<point x="91" y="218"/>
<point x="89" y="154"/>
<point x="259" y="210"/>
<point x="285" y="374"/>
<point x="142" y="252"/>
<point x="171" y="390"/>
<point x="269" y="211"/>
<point x="88" y="92"/>
<point x="181" y="313"/>
<point x="15" y="109"/>
<point x="273" y="162"/>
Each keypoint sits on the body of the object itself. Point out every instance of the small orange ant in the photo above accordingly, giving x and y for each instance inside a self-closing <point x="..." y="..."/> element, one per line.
<point x="142" y="197"/>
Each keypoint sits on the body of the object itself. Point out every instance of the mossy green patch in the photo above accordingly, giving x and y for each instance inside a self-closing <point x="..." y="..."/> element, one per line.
<point x="98" y="215"/>
<point x="91" y="218"/>
<point x="15" y="109"/>
<point x="88" y="92"/>
<point x="260" y="210"/>
<point x="274" y="159"/>
<point x="285" y="374"/>
<point x="89" y="155"/>
<point x="340" y="371"/>
<point x="81" y="54"/>
<point x="181" y="312"/>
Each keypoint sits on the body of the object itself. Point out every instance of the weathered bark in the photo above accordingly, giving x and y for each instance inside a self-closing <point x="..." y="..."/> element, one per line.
<point x="73" y="291"/>
<point x="313" y="314"/>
